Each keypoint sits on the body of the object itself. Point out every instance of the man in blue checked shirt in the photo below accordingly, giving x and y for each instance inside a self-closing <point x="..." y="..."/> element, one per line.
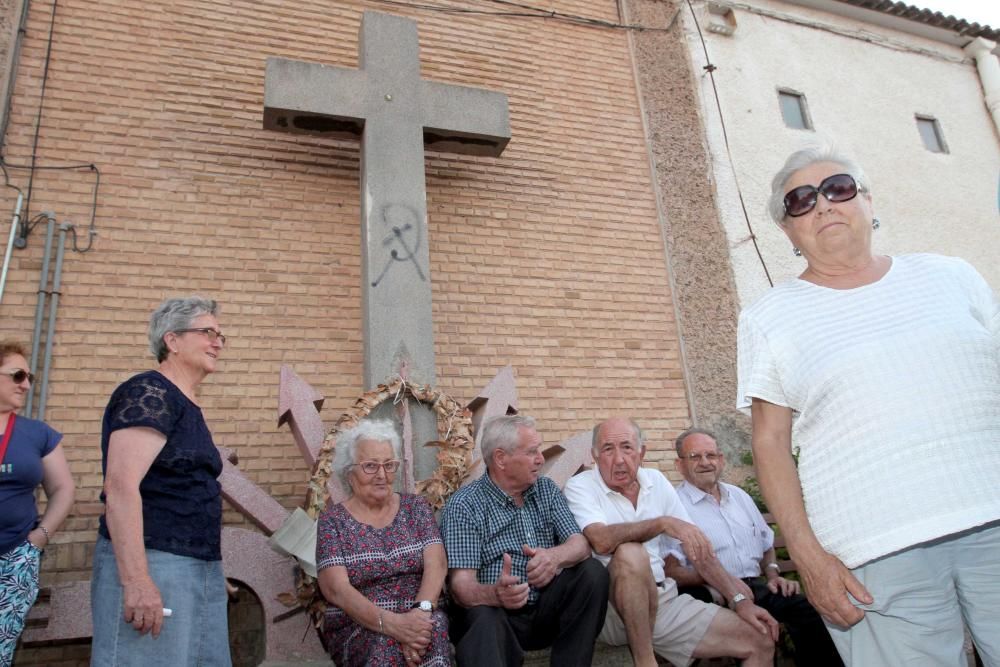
<point x="520" y="571"/>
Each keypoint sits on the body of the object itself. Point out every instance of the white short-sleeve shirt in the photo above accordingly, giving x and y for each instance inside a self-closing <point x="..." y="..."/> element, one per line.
<point x="894" y="389"/>
<point x="591" y="501"/>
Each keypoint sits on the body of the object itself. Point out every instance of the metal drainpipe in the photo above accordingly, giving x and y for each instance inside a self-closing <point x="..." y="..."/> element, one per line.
<point x="989" y="74"/>
<point x="43" y="281"/>
<point x="10" y="242"/>
<point x="53" y="306"/>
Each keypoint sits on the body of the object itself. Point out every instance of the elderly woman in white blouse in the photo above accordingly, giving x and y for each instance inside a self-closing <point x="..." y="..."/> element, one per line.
<point x="883" y="375"/>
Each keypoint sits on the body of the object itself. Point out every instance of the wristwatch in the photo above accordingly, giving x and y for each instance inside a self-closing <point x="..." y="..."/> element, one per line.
<point x="424" y="605"/>
<point x="738" y="598"/>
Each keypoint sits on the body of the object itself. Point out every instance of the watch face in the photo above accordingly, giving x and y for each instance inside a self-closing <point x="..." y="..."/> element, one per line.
<point x="425" y="605"/>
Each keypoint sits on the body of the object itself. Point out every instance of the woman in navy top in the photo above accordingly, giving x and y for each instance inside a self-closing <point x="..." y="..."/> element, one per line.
<point x="30" y="454"/>
<point x="159" y="539"/>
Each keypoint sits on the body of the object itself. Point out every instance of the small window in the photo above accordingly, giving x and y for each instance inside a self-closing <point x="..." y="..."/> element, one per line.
<point x="793" y="109"/>
<point x="930" y="133"/>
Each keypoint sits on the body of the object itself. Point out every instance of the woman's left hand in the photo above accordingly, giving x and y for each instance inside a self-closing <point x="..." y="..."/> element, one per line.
<point x="414" y="654"/>
<point x="412" y="629"/>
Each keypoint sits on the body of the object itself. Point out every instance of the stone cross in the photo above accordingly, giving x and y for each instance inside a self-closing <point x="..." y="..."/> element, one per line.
<point x="396" y="115"/>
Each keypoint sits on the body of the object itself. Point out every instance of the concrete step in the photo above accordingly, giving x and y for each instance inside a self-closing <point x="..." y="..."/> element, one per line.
<point x="604" y="656"/>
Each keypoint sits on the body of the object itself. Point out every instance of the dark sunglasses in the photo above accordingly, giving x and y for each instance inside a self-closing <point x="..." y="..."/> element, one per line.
<point x="836" y="188"/>
<point x="20" y="375"/>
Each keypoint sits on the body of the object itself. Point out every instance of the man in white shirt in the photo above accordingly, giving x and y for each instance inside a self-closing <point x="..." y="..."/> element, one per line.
<point x="632" y="518"/>
<point x="744" y="544"/>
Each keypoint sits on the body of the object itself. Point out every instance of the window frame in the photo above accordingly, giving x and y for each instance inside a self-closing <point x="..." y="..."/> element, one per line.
<point x="803" y="107"/>
<point x="926" y="120"/>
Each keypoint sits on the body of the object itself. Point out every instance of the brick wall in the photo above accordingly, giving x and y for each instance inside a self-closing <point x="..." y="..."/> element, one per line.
<point x="549" y="258"/>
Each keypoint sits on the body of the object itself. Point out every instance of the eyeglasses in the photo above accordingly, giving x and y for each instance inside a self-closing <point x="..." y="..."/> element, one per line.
<point x="19" y="375"/>
<point x="371" y="467"/>
<point x="836" y="188"/>
<point x="694" y="457"/>
<point x="212" y="334"/>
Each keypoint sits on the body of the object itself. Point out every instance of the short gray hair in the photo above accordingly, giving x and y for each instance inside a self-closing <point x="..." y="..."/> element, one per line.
<point x="380" y="430"/>
<point x="679" y="442"/>
<point x="800" y="160"/>
<point x="174" y="314"/>
<point x="503" y="432"/>
<point x="595" y="436"/>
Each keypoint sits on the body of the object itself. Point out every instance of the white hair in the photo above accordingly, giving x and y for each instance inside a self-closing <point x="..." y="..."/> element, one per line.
<point x="380" y="430"/>
<point x="800" y="160"/>
<point x="503" y="432"/>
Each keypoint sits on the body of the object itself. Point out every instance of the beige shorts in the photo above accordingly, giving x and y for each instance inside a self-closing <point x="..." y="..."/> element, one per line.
<point x="681" y="622"/>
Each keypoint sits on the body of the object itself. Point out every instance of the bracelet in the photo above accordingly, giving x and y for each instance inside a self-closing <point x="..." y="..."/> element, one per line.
<point x="777" y="568"/>
<point x="48" y="538"/>
<point x="381" y="631"/>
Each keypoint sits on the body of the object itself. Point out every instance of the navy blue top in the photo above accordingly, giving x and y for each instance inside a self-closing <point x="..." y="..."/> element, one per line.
<point x="20" y="473"/>
<point x="181" y="501"/>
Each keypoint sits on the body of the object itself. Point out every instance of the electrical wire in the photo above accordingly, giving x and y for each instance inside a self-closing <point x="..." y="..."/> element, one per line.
<point x="710" y="68"/>
<point x="524" y="11"/>
<point x="41" y="106"/>
<point x="6" y="179"/>
<point x="29" y="226"/>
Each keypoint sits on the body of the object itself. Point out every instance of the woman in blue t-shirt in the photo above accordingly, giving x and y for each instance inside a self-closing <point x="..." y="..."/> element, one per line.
<point x="159" y="542"/>
<point x="30" y="454"/>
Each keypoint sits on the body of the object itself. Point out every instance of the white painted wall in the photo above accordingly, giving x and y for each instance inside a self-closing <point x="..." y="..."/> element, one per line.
<point x="863" y="84"/>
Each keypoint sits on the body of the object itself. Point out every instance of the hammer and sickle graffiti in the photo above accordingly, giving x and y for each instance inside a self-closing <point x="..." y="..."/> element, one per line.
<point x="404" y="237"/>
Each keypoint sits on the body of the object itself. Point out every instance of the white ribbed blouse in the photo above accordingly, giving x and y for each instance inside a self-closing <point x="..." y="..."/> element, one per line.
<point x="895" y="392"/>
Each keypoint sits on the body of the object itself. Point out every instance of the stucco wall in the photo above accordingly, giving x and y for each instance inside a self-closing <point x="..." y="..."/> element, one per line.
<point x="697" y="244"/>
<point x="863" y="84"/>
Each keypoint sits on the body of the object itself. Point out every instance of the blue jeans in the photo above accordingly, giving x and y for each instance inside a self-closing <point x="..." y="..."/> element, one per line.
<point x="18" y="590"/>
<point x="196" y="635"/>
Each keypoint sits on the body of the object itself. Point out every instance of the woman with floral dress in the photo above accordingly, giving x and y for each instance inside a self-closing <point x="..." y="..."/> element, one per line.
<point x="381" y="561"/>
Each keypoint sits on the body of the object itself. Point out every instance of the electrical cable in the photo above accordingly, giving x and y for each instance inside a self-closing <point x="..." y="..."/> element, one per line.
<point x="29" y="225"/>
<point x="41" y="106"/>
<point x="527" y="11"/>
<point x="710" y="68"/>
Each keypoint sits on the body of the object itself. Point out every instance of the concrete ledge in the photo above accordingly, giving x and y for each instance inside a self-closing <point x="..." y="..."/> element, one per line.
<point x="604" y="656"/>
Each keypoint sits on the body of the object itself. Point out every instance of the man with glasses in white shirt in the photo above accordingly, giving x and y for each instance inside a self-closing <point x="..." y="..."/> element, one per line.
<point x="632" y="518"/>
<point x="744" y="545"/>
